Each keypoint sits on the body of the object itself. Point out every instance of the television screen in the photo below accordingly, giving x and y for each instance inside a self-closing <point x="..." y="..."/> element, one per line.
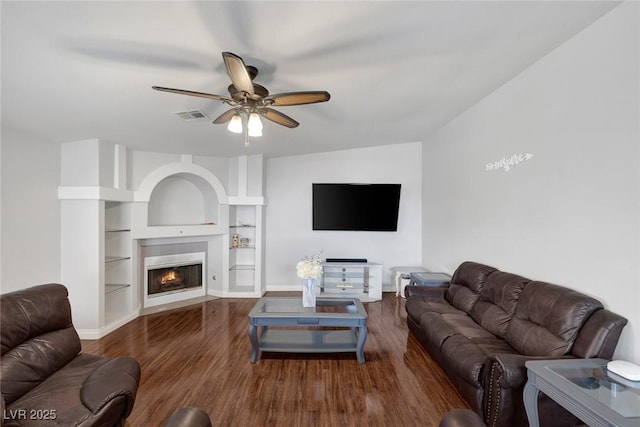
<point x="356" y="207"/>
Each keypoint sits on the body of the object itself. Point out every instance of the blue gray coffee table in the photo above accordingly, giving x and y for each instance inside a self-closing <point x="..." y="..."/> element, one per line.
<point x="334" y="325"/>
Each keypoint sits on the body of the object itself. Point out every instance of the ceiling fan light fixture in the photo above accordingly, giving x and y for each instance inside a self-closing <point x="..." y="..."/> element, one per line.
<point x="235" y="124"/>
<point x="249" y="100"/>
<point x="255" y="124"/>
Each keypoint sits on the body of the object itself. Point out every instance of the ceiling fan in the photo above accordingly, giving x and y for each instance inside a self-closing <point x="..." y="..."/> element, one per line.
<point x="250" y="101"/>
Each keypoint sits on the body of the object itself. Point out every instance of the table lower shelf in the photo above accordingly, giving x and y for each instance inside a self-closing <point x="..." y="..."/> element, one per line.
<point x="308" y="341"/>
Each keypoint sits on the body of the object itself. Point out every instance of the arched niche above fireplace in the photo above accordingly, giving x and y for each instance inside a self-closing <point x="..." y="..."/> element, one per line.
<point x="180" y="199"/>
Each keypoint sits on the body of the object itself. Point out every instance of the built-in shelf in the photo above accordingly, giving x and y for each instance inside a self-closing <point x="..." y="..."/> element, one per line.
<point x="115" y="258"/>
<point x="245" y="259"/>
<point x="118" y="280"/>
<point x="113" y="287"/>
<point x="245" y="267"/>
<point x="186" y="224"/>
<point x="187" y="230"/>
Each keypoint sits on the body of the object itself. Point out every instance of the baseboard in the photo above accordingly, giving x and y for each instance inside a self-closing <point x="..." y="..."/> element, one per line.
<point x="94" y="334"/>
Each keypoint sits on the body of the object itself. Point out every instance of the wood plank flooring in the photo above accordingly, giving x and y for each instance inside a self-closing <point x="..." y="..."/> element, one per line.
<point x="199" y="356"/>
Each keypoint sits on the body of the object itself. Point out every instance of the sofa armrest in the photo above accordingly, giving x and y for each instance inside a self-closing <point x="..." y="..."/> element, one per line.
<point x="424" y="291"/>
<point x="599" y="335"/>
<point x="505" y="377"/>
<point x="118" y="377"/>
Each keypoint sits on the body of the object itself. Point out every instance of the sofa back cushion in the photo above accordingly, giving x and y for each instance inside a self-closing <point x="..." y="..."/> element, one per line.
<point x="497" y="303"/>
<point x="466" y="284"/>
<point x="547" y="319"/>
<point x="37" y="337"/>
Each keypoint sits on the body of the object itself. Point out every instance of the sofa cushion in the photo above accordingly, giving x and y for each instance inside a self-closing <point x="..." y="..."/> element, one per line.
<point x="497" y="302"/>
<point x="416" y="306"/>
<point x="547" y="319"/>
<point x="439" y="327"/>
<point x="466" y="284"/>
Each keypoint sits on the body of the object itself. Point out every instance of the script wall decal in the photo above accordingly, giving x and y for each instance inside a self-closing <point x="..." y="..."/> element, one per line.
<point x="506" y="163"/>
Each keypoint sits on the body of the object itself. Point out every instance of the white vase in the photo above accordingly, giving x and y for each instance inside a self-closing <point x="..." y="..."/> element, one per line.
<point x="308" y="292"/>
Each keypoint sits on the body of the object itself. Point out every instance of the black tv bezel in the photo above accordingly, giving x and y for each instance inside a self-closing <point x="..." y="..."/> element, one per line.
<point x="315" y="226"/>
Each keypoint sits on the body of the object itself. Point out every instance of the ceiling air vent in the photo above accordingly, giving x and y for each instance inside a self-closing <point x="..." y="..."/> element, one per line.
<point x="192" y="115"/>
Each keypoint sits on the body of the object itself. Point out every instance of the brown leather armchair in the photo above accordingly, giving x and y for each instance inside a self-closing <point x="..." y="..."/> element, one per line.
<point x="189" y="417"/>
<point x="45" y="378"/>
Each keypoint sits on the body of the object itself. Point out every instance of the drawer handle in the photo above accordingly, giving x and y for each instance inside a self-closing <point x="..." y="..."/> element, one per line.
<point x="310" y="321"/>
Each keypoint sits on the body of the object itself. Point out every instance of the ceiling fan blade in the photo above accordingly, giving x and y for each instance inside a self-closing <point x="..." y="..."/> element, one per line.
<point x="298" y="98"/>
<point x="279" y="118"/>
<point x="238" y="72"/>
<point x="192" y="93"/>
<point x="225" y="117"/>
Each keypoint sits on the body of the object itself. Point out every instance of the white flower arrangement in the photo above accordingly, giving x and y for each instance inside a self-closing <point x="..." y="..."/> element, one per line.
<point x="309" y="268"/>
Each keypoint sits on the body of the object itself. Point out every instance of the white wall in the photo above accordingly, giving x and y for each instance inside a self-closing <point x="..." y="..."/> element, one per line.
<point x="570" y="214"/>
<point x="289" y="236"/>
<point x="30" y="226"/>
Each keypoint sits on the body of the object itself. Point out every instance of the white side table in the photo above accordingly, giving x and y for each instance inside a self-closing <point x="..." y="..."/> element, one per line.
<point x="399" y="281"/>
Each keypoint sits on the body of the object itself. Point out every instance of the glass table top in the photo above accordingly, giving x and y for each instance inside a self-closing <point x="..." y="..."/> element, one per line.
<point x="617" y="393"/>
<point x="278" y="305"/>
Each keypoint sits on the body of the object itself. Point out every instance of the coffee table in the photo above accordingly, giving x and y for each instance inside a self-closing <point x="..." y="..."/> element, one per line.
<point x="320" y="329"/>
<point x="586" y="389"/>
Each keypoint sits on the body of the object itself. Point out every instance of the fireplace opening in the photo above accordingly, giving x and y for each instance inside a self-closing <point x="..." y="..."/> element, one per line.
<point x="174" y="278"/>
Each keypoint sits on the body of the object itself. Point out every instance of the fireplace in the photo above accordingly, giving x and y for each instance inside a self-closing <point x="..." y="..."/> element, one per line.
<point x="172" y="278"/>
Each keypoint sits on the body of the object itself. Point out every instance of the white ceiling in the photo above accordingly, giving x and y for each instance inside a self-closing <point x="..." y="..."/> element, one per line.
<point x="396" y="71"/>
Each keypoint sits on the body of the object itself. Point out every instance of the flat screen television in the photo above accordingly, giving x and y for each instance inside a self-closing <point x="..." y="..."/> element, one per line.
<point x="356" y="207"/>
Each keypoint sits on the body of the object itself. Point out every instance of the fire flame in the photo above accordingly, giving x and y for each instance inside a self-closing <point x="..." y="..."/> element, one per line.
<point x="168" y="277"/>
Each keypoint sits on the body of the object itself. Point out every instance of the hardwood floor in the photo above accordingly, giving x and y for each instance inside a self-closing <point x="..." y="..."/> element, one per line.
<point x="199" y="356"/>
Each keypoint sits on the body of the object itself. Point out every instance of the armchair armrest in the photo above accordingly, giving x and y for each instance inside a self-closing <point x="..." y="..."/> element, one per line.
<point x="424" y="291"/>
<point x="189" y="417"/>
<point x="118" y="377"/>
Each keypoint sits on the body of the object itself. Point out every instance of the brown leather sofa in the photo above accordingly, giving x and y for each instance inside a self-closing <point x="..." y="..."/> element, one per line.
<point x="461" y="418"/>
<point x="488" y="323"/>
<point x="44" y="377"/>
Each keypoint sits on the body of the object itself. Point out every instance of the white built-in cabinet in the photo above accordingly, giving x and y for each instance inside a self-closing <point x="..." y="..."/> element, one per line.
<point x="96" y="262"/>
<point x="105" y="228"/>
